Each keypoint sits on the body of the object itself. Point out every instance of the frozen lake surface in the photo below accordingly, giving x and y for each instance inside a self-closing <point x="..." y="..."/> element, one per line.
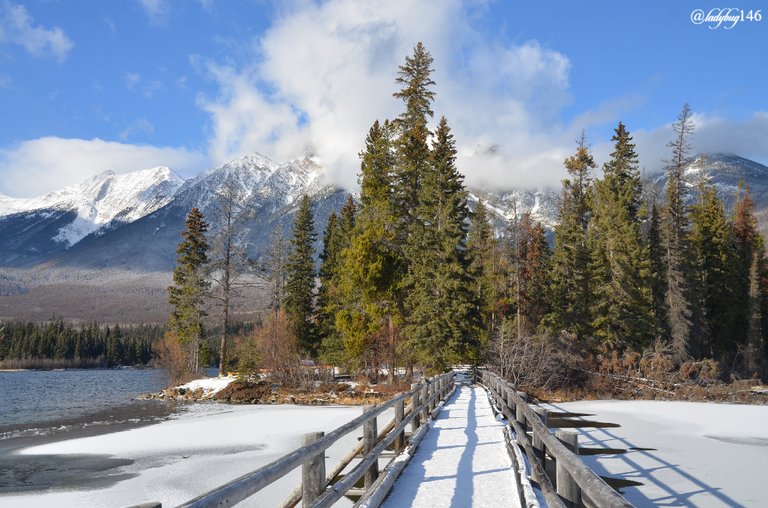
<point x="683" y="453"/>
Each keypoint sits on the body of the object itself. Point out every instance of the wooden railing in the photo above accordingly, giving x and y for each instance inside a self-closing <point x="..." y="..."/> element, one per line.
<point x="574" y="483"/>
<point x="317" y="489"/>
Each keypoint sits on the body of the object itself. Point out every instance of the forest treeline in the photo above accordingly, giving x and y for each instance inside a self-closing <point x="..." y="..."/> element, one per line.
<point x="27" y="345"/>
<point x="411" y="276"/>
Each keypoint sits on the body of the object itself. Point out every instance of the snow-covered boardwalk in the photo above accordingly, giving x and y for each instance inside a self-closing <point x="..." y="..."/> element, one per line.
<point x="462" y="460"/>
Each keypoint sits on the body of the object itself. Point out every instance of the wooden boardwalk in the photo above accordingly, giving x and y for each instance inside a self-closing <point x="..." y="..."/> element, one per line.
<point x="461" y="462"/>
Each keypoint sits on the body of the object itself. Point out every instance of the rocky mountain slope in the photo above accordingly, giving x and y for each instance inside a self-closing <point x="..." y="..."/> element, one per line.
<point x="133" y="221"/>
<point x="33" y="229"/>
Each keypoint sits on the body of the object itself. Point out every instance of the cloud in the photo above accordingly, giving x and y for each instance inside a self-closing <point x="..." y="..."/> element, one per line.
<point x="17" y="27"/>
<point x="324" y="72"/>
<point x="42" y="165"/>
<point x="156" y="10"/>
<point x="135" y="83"/>
<point x="712" y="134"/>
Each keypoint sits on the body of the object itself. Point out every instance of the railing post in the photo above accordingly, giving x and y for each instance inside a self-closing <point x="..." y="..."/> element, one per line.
<point x="567" y="488"/>
<point x="424" y="399"/>
<point x="415" y="403"/>
<point x="312" y="472"/>
<point x="520" y="416"/>
<point x="510" y="399"/>
<point x="432" y="392"/>
<point x="399" y="413"/>
<point x="369" y="443"/>
<point x="538" y="443"/>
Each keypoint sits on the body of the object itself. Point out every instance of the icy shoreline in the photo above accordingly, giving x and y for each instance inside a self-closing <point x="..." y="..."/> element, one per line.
<point x="177" y="459"/>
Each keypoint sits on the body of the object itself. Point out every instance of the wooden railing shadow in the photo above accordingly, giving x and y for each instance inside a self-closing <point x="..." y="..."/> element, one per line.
<point x="570" y="483"/>
<point x="321" y="488"/>
<point x="639" y="472"/>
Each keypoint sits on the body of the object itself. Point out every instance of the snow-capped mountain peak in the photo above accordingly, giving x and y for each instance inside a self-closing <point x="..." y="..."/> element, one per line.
<point x="101" y="200"/>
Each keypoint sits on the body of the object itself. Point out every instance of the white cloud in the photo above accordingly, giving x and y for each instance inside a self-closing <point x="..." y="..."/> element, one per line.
<point x="324" y="72"/>
<point x="42" y="165"/>
<point x="156" y="10"/>
<point x="17" y="27"/>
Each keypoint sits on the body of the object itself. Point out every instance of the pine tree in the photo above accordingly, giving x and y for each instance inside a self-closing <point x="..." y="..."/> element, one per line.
<point x="621" y="314"/>
<point x="675" y="225"/>
<point x="482" y="251"/>
<point x="657" y="274"/>
<point x="442" y="324"/>
<point x="570" y="290"/>
<point x="711" y="241"/>
<point x="412" y="144"/>
<point x="300" y="273"/>
<point x="533" y="273"/>
<point x="337" y="237"/>
<point x="369" y="306"/>
<point x="186" y="295"/>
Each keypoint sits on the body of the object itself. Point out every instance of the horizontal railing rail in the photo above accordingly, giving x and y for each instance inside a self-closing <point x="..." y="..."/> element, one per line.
<point x="575" y="483"/>
<point x="316" y="490"/>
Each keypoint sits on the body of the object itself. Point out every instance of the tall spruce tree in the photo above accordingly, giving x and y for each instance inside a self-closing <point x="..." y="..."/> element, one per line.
<point x="412" y="142"/>
<point x="442" y="322"/>
<point x="570" y="294"/>
<point x="621" y="314"/>
<point x="369" y="306"/>
<point x="657" y="273"/>
<point x="533" y="273"/>
<point x="187" y="293"/>
<point x="482" y="250"/>
<point x="337" y="237"/>
<point x="713" y="259"/>
<point x="300" y="283"/>
<point x="678" y="296"/>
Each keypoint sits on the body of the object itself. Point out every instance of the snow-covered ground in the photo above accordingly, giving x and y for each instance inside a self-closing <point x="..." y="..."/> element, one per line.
<point x="179" y="459"/>
<point x="684" y="453"/>
<point x="210" y="385"/>
<point x="462" y="461"/>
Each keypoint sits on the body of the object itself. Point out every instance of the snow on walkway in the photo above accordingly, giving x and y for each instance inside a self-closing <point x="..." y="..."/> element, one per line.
<point x="462" y="460"/>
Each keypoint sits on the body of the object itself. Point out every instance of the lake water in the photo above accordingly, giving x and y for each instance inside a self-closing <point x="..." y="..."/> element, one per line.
<point x="34" y="400"/>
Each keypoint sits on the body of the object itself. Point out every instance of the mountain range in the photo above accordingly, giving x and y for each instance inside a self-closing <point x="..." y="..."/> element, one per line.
<point x="104" y="249"/>
<point x="132" y="221"/>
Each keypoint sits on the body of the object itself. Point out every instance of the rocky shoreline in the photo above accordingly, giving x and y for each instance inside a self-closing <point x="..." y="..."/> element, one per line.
<point x="262" y="392"/>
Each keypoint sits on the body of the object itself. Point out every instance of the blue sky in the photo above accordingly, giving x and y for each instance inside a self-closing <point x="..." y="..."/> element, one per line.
<point x="87" y="86"/>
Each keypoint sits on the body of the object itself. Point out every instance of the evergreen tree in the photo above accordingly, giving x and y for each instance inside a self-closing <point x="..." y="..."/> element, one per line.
<point x="412" y="144"/>
<point x="186" y="295"/>
<point x="675" y="226"/>
<point x="442" y="323"/>
<point x="369" y="307"/>
<point x="711" y="241"/>
<point x="300" y="274"/>
<point x="337" y="237"/>
<point x="657" y="274"/>
<point x="621" y="315"/>
<point x="570" y="290"/>
<point x="533" y="273"/>
<point x="482" y="251"/>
